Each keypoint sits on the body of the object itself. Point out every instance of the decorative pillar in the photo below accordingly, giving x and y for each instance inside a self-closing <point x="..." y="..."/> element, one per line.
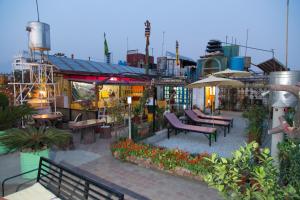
<point x="276" y="138"/>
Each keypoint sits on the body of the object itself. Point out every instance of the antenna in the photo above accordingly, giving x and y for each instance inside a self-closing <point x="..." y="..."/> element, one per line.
<point x="37" y="10"/>
<point x="247" y="32"/>
<point x="163" y="44"/>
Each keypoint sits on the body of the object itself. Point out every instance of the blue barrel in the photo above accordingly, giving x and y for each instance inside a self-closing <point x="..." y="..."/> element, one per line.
<point x="237" y="63"/>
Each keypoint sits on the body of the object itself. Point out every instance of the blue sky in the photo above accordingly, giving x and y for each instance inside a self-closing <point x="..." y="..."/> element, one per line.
<point x="77" y="26"/>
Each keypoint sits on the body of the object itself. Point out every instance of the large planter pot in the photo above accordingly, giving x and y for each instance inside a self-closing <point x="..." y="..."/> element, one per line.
<point x="3" y="150"/>
<point x="30" y="161"/>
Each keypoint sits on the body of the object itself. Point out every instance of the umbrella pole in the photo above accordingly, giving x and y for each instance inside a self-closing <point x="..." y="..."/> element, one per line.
<point x="228" y="99"/>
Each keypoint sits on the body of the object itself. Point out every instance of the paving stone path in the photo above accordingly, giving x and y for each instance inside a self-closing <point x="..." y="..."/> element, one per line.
<point x="141" y="183"/>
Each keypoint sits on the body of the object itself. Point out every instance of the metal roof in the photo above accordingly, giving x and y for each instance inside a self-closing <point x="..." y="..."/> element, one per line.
<point x="173" y="55"/>
<point x="271" y="65"/>
<point x="92" y="67"/>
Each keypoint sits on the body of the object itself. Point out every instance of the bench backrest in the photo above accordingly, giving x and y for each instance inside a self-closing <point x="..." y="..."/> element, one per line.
<point x="67" y="184"/>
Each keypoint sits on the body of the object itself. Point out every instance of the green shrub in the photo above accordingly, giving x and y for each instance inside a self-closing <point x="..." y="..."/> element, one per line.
<point x="249" y="174"/>
<point x="33" y="139"/>
<point x="255" y="116"/>
<point x="289" y="158"/>
<point x="4" y="102"/>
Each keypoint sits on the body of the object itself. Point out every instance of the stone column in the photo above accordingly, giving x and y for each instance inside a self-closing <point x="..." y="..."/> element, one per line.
<point x="276" y="138"/>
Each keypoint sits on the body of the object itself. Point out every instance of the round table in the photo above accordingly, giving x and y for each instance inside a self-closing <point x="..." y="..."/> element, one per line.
<point x="43" y="119"/>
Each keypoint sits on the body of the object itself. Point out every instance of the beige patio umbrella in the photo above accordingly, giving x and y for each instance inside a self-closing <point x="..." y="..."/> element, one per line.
<point x="215" y="81"/>
<point x="232" y="73"/>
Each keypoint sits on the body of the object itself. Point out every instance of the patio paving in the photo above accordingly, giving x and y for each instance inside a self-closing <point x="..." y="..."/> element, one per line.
<point x="95" y="160"/>
<point x="197" y="142"/>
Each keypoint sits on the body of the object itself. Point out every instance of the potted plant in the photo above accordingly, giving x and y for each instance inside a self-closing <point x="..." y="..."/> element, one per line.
<point x="10" y="116"/>
<point x="33" y="143"/>
<point x="137" y="110"/>
<point x="255" y="116"/>
<point x="117" y="111"/>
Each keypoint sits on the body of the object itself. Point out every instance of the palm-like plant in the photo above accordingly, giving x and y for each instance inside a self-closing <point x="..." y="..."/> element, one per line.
<point x="34" y="139"/>
<point x="9" y="116"/>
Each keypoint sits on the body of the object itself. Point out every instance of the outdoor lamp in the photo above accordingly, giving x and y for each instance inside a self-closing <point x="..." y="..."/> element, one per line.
<point x="129" y="100"/>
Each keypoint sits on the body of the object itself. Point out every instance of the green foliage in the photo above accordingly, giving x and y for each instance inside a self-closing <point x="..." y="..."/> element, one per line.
<point x="289" y="157"/>
<point x="137" y="110"/>
<point x="289" y="116"/>
<point x="255" y="116"/>
<point x="249" y="174"/>
<point x="160" y="121"/>
<point x="10" y="116"/>
<point x="117" y="111"/>
<point x="4" y="102"/>
<point x="32" y="139"/>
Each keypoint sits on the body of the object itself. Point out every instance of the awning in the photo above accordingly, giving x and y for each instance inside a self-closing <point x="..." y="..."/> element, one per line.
<point x="272" y="65"/>
<point x="107" y="80"/>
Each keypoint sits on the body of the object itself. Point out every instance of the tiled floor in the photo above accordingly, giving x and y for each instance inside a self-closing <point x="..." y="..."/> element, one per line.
<point x="197" y="142"/>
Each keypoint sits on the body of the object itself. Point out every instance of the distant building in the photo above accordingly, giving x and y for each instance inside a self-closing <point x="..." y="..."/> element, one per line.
<point x="173" y="77"/>
<point x="166" y="65"/>
<point x="136" y="59"/>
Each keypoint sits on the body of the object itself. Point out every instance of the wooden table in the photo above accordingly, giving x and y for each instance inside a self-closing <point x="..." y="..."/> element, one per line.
<point x="51" y="117"/>
<point x="87" y="128"/>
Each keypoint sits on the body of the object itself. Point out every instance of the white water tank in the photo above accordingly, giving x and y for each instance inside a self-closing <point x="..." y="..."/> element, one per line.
<point x="39" y="36"/>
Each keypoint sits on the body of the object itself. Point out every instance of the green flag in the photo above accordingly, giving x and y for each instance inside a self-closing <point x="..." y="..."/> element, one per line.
<point x="106" y="51"/>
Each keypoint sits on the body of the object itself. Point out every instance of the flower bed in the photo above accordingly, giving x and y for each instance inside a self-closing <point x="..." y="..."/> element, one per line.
<point x="172" y="161"/>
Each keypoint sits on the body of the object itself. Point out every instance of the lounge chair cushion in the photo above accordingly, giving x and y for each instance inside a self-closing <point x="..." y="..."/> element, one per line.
<point x="176" y="123"/>
<point x="212" y="121"/>
<point x="202" y="115"/>
<point x="34" y="192"/>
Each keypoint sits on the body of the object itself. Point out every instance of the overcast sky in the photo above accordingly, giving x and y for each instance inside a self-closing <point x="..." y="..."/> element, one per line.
<point x="77" y="26"/>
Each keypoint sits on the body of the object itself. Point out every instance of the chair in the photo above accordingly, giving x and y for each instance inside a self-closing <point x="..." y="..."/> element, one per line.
<point x="195" y="119"/>
<point x="59" y="121"/>
<point x="200" y="114"/>
<point x="102" y="114"/>
<point x="77" y="119"/>
<point x="176" y="124"/>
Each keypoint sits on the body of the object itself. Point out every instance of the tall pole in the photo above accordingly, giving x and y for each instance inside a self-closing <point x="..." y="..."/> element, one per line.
<point x="126" y="45"/>
<point x="37" y="10"/>
<point x="147" y="35"/>
<point x="163" y="44"/>
<point x="287" y="33"/>
<point x="247" y="32"/>
<point x="129" y="121"/>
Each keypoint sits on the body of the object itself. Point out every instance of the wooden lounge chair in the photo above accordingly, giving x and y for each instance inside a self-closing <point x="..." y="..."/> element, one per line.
<point x="176" y="124"/>
<point x="196" y="120"/>
<point x="200" y="114"/>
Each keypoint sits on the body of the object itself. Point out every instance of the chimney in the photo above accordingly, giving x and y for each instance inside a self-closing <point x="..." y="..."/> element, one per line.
<point x="72" y="56"/>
